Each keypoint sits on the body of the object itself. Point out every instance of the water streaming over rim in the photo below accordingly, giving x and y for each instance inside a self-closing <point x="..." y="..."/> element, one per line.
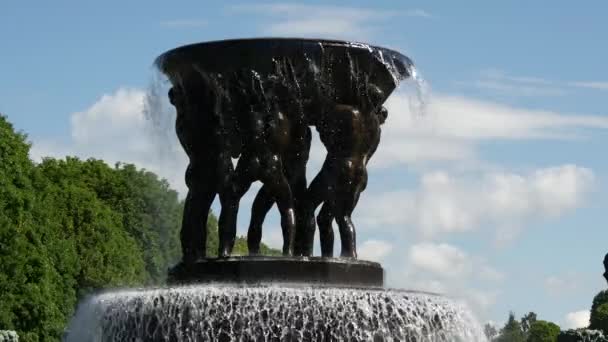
<point x="160" y="114"/>
<point x="225" y="312"/>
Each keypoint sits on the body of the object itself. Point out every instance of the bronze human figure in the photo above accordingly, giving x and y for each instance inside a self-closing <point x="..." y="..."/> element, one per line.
<point x="267" y="136"/>
<point x="209" y="169"/>
<point x="358" y="185"/>
<point x="284" y="90"/>
<point x="350" y="135"/>
<point x="294" y="168"/>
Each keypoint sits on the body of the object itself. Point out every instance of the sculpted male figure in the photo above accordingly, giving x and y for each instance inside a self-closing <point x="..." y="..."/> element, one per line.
<point x="351" y="136"/>
<point x="267" y="133"/>
<point x="209" y="169"/>
<point x="286" y="92"/>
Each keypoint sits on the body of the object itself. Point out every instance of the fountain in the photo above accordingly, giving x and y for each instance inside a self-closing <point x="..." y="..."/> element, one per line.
<point x="256" y="100"/>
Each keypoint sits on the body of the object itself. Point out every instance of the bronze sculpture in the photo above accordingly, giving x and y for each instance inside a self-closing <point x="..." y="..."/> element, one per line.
<point x="267" y="135"/>
<point x="284" y="94"/>
<point x="259" y="107"/>
<point x="209" y="169"/>
<point x="351" y="135"/>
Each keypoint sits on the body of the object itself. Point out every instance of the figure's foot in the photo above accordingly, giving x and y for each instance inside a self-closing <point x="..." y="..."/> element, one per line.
<point x="253" y="246"/>
<point x="348" y="254"/>
<point x="191" y="258"/>
<point x="224" y="251"/>
<point x="287" y="249"/>
<point x="327" y="254"/>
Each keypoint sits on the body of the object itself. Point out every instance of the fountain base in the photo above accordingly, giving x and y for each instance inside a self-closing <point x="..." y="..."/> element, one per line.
<point x="264" y="269"/>
<point x="229" y="312"/>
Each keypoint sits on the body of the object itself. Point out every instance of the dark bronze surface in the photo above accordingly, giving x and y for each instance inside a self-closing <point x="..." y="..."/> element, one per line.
<point x="255" y="100"/>
<point x="605" y="267"/>
<point x="302" y="270"/>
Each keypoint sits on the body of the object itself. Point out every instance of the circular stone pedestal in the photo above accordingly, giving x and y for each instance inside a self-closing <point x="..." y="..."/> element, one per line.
<point x="254" y="270"/>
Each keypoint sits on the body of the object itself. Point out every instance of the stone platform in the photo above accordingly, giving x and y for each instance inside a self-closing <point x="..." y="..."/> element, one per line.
<point x="263" y="269"/>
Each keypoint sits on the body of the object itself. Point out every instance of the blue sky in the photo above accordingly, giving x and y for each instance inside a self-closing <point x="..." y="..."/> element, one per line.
<point x="496" y="194"/>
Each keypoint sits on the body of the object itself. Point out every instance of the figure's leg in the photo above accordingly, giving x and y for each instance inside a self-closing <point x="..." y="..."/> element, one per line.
<point x="326" y="231"/>
<point x="230" y="197"/>
<point x="296" y="174"/>
<point x="315" y="195"/>
<point x="298" y="189"/>
<point x="278" y="186"/>
<point x="261" y="205"/>
<point x="193" y="234"/>
<point x="347" y="196"/>
<point x="348" y="236"/>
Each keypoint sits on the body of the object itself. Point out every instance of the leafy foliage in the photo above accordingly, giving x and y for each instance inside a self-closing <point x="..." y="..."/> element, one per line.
<point x="68" y="227"/>
<point x="527" y="321"/>
<point x="512" y="331"/>
<point x="490" y="331"/>
<point x="527" y="329"/>
<point x="599" y="318"/>
<point x="542" y="331"/>
<point x="599" y="312"/>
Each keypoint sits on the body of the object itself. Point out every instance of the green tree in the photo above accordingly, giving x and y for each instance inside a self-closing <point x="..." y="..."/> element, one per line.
<point x="512" y="331"/>
<point x="69" y="226"/>
<point x="543" y="331"/>
<point x="148" y="210"/>
<point x="31" y="289"/>
<point x="599" y="318"/>
<point x="490" y="331"/>
<point x="240" y="245"/>
<point x="527" y="321"/>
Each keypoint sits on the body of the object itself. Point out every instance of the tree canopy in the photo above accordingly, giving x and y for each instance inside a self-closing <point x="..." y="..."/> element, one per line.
<point x="599" y="312"/>
<point x="527" y="329"/>
<point x="542" y="331"/>
<point x="71" y="226"/>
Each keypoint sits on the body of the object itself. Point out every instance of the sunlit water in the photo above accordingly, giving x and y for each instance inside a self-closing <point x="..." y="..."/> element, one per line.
<point x="271" y="313"/>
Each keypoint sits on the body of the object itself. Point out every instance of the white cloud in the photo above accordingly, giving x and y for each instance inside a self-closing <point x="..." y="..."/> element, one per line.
<point x="442" y="260"/>
<point x="418" y="13"/>
<point x="116" y="129"/>
<point x="448" y="203"/>
<point x="591" y="85"/>
<point x="184" y="23"/>
<point x="481" y="300"/>
<point x="115" y="115"/>
<point x="500" y="82"/>
<point x="449" y="270"/>
<point x="558" y="286"/>
<point x="292" y="19"/>
<point x="374" y="250"/>
<point x="515" y="89"/>
<point x="464" y="118"/>
<point x="487" y="272"/>
<point x="576" y="319"/>
<point x="449" y="129"/>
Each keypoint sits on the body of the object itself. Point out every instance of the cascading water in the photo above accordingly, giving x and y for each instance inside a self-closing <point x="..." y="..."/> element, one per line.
<point x="225" y="312"/>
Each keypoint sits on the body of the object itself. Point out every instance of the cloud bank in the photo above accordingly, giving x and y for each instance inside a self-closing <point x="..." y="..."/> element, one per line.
<point x="448" y="203"/>
<point x="292" y="19"/>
